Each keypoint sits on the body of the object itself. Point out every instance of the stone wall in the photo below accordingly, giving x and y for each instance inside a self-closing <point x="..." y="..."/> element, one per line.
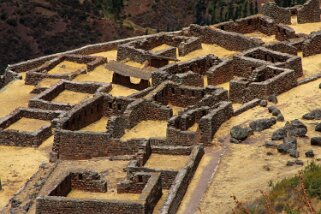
<point x="58" y="205"/>
<point x="182" y="180"/>
<point x="35" y="75"/>
<point x="140" y="110"/>
<point x="312" y="45"/>
<point x="249" y="24"/>
<point x="309" y="12"/>
<point x="184" y="96"/>
<point x="140" y="51"/>
<point x="279" y="81"/>
<point x="279" y="14"/>
<point x="228" y="40"/>
<point x="44" y="99"/>
<point x="148" y="199"/>
<point x="284" y="33"/>
<point x="23" y="138"/>
<point x="78" y="145"/>
<point x="275" y="58"/>
<point x="208" y="120"/>
<point x="283" y="47"/>
<point x="88" y="181"/>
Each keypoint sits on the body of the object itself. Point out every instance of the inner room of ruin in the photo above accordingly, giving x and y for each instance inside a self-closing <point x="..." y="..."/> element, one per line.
<point x="144" y="124"/>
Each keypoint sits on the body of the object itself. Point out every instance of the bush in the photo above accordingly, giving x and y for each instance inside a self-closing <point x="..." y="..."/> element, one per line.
<point x="291" y="195"/>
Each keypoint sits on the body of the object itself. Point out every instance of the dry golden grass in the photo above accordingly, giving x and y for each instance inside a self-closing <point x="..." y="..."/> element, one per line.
<point x="147" y="129"/>
<point x="110" y="55"/>
<point x="99" y="74"/>
<point x="47" y="82"/>
<point x="160" y="48"/>
<point x="193" y="128"/>
<point x="66" y="67"/>
<point x="311" y="65"/>
<point x="265" y="38"/>
<point x="166" y="162"/>
<point x="71" y="97"/>
<point x="119" y="90"/>
<point x="16" y="94"/>
<point x="28" y="124"/>
<point x="306" y="28"/>
<point x="208" y="49"/>
<point x="111" y="171"/>
<point x="225" y="85"/>
<point x="176" y="109"/>
<point x="17" y="165"/>
<point x="103" y="196"/>
<point x="135" y="80"/>
<point x="241" y="171"/>
<point x="98" y="126"/>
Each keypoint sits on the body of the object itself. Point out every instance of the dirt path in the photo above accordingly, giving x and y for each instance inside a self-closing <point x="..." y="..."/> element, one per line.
<point x="201" y="180"/>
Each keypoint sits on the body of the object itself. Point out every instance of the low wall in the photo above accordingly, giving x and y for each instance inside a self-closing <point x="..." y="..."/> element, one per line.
<point x="140" y="110"/>
<point x="181" y="183"/>
<point x="241" y="90"/>
<point x="228" y="40"/>
<point x="80" y="145"/>
<point x="279" y="14"/>
<point x="309" y="12"/>
<point x="312" y="45"/>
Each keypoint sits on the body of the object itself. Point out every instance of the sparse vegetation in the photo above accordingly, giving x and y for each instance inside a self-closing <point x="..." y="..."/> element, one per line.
<point x="298" y="194"/>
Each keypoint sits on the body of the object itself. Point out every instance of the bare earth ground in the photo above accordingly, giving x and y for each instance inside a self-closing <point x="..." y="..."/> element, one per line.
<point x="306" y="28"/>
<point x="176" y="109"/>
<point x="166" y="162"/>
<point x="265" y="38"/>
<point x="102" y="74"/>
<point x="17" y="165"/>
<point x="148" y="129"/>
<point x="47" y="82"/>
<point x="111" y="170"/>
<point x="66" y="67"/>
<point x="98" y="126"/>
<point x="16" y="94"/>
<point x="208" y="49"/>
<point x="245" y="168"/>
<point x="311" y="65"/>
<point x="71" y="97"/>
<point x="110" y="55"/>
<point x="28" y="124"/>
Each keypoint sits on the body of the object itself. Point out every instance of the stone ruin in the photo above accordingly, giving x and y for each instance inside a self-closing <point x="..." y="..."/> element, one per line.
<point x="185" y="96"/>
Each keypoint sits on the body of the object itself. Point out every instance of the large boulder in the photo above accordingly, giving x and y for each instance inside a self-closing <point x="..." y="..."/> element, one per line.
<point x="309" y="154"/>
<point x="270" y="144"/>
<point x="318" y="127"/>
<point x="262" y="124"/>
<point x="274" y="110"/>
<point x="288" y="146"/>
<point x="296" y="128"/>
<point x="272" y="98"/>
<point x="316" y="141"/>
<point x="313" y="115"/>
<point x="280" y="117"/>
<point x="263" y="103"/>
<point x="279" y="134"/>
<point x="240" y="133"/>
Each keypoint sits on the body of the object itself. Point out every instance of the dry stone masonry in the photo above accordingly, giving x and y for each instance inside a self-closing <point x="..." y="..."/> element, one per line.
<point x="185" y="97"/>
